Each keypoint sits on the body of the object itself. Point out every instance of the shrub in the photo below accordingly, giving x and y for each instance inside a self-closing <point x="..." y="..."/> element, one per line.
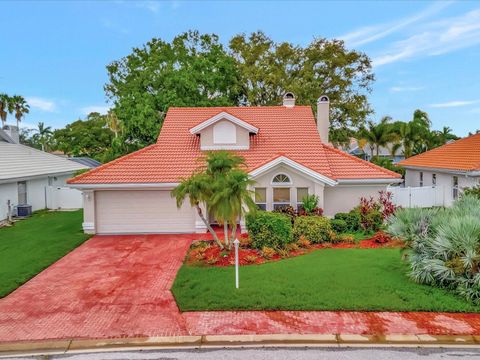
<point x="316" y="229"/>
<point x="269" y="229"/>
<point x="351" y="218"/>
<point x="474" y="191"/>
<point x="283" y="253"/>
<point x="251" y="259"/>
<point x="268" y="252"/>
<point x="304" y="243"/>
<point x="345" y="238"/>
<point x="372" y="221"/>
<point x="245" y="240"/>
<point x="444" y="245"/>
<point x="338" y="225"/>
<point x="381" y="237"/>
<point x="288" y="211"/>
<point x="292" y="247"/>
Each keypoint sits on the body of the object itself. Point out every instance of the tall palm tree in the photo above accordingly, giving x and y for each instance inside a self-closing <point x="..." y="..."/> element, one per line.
<point x="19" y="106"/>
<point x="198" y="189"/>
<point x="4" y="108"/>
<point x="44" y="133"/>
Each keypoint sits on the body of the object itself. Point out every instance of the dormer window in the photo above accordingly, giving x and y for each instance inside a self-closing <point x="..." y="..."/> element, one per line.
<point x="224" y="132"/>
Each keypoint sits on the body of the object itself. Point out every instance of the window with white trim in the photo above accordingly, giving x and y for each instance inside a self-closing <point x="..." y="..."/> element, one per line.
<point x="261" y="198"/>
<point x="281" y="197"/>
<point x="455" y="188"/>
<point x="301" y="193"/>
<point x="421" y="178"/>
<point x="281" y="179"/>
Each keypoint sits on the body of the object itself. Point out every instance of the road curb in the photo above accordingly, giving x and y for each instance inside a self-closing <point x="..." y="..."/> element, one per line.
<point x="226" y="341"/>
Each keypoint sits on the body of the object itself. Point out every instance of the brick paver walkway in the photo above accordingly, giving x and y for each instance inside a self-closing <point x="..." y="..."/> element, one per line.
<point x="118" y="286"/>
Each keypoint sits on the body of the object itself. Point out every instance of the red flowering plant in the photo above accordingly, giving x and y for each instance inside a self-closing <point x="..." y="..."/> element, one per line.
<point x="387" y="205"/>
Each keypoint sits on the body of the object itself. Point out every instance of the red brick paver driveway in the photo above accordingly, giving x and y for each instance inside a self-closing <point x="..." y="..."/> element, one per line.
<point x="118" y="286"/>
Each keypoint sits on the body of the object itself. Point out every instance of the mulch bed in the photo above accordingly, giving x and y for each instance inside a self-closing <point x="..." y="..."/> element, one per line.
<point x="207" y="253"/>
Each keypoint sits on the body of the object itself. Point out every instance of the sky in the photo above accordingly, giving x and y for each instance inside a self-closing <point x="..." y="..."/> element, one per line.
<point x="426" y="55"/>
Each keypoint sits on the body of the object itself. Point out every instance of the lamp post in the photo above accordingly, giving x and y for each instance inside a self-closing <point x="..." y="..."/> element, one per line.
<point x="236" y="242"/>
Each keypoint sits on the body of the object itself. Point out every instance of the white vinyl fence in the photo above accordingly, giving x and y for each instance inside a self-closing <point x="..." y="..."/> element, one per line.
<point x="426" y="196"/>
<point x="63" y="198"/>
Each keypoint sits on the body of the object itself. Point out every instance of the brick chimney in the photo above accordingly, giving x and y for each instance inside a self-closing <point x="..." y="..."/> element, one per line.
<point x="323" y="117"/>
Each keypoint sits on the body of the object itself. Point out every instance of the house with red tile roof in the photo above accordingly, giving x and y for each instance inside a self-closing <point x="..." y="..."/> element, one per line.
<point x="286" y="152"/>
<point x="453" y="167"/>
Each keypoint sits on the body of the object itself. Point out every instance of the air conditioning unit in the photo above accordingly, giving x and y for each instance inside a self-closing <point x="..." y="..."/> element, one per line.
<point x="24" y="210"/>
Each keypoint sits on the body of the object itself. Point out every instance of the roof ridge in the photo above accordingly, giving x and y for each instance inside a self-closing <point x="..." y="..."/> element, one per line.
<point x="107" y="165"/>
<point x="368" y="163"/>
<point x="238" y="107"/>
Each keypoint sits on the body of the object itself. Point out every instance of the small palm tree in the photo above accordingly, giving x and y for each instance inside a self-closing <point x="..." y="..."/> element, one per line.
<point x="232" y="198"/>
<point x="4" y="108"/>
<point x="113" y="122"/>
<point x="377" y="135"/>
<point x="19" y="106"/>
<point x="44" y="133"/>
<point x="198" y="189"/>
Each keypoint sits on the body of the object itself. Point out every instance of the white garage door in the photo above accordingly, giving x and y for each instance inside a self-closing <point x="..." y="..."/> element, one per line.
<point x="149" y="211"/>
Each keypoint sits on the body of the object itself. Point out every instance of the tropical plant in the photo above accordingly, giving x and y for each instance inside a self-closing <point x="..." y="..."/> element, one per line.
<point x="444" y="245"/>
<point x="19" y="106"/>
<point x="377" y="135"/>
<point x="44" y="133"/>
<point x="198" y="189"/>
<point x="473" y="191"/>
<point x="309" y="203"/>
<point x="4" y="108"/>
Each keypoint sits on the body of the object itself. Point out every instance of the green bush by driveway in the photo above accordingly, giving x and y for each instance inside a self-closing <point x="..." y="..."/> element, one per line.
<point x="32" y="245"/>
<point x="328" y="279"/>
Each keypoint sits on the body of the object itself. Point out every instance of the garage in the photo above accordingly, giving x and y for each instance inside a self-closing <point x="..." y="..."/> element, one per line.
<point x="141" y="211"/>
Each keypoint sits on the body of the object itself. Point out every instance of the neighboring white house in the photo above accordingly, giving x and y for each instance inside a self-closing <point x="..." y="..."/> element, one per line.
<point x="452" y="167"/>
<point x="26" y="173"/>
<point x="366" y="152"/>
<point x="286" y="153"/>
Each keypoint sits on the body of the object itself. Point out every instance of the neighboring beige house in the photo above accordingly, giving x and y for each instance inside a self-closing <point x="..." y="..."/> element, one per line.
<point x="285" y="150"/>
<point x="367" y="153"/>
<point x="25" y="173"/>
<point x="453" y="167"/>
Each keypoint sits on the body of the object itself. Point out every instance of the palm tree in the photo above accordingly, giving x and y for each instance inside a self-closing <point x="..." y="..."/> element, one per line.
<point x="4" y="108"/>
<point x="377" y="135"/>
<point x="232" y="198"/>
<point x="198" y="189"/>
<point x="19" y="105"/>
<point x="44" y="133"/>
<point x="394" y="147"/>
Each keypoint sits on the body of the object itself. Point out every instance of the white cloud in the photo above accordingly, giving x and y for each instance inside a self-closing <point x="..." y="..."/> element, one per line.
<point x="435" y="38"/>
<point x="42" y="104"/>
<point x="372" y="33"/>
<point x="152" y="6"/>
<point x="109" y="24"/>
<point x="102" y="109"/>
<point x="406" y="88"/>
<point x="456" y="103"/>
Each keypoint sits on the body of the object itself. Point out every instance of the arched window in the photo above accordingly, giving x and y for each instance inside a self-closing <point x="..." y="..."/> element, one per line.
<point x="281" y="179"/>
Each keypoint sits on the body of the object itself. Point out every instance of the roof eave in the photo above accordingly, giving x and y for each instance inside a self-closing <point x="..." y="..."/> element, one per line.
<point x="220" y="116"/>
<point x="473" y="172"/>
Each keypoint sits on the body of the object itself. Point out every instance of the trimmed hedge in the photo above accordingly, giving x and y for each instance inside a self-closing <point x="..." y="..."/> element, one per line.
<point x="339" y="226"/>
<point x="269" y="229"/>
<point x="316" y="229"/>
<point x="352" y="220"/>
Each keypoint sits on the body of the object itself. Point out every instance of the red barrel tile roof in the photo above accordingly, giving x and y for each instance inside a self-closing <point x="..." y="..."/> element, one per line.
<point x="290" y="132"/>
<point x="463" y="154"/>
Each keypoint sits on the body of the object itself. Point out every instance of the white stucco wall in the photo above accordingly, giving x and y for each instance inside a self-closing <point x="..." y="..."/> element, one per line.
<point x="445" y="180"/>
<point x="297" y="181"/>
<point x="343" y="198"/>
<point x="35" y="192"/>
<point x="242" y="136"/>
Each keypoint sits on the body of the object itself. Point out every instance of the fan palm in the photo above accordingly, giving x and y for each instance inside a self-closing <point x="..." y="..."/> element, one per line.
<point x="4" y="108"/>
<point x="19" y="106"/>
<point x="377" y="135"/>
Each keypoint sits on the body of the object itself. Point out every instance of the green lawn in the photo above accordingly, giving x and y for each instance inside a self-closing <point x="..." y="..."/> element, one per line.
<point x="329" y="279"/>
<point x="32" y="245"/>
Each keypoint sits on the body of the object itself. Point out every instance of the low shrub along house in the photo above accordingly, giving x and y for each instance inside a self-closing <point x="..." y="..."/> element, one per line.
<point x="286" y="152"/>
